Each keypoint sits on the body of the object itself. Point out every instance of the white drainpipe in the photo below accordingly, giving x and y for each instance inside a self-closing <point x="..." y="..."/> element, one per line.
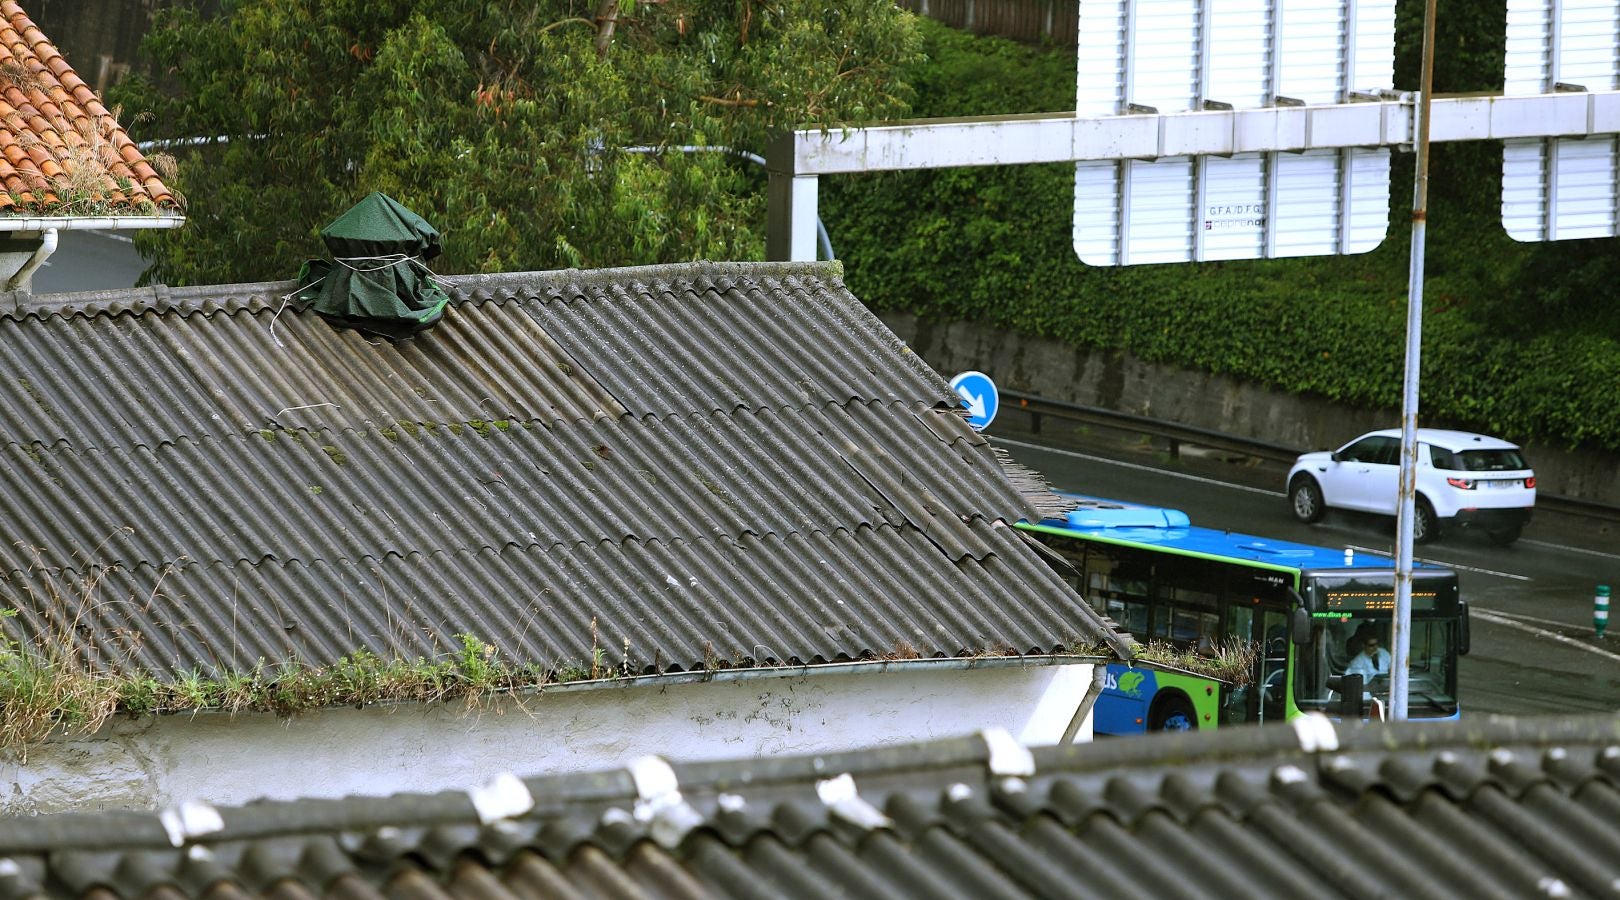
<point x="47" y="246"/>
<point x="48" y="226"/>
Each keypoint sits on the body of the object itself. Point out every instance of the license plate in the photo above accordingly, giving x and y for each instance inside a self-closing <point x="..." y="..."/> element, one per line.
<point x="1517" y="482"/>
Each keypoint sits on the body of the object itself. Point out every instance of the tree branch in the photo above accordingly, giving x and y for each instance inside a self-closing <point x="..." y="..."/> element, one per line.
<point x="607" y="16"/>
<point x="722" y="101"/>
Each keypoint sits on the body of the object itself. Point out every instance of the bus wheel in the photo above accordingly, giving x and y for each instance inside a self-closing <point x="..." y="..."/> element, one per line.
<point x="1173" y="713"/>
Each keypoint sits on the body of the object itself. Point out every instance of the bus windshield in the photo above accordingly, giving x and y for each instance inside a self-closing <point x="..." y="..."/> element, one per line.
<point x="1432" y="682"/>
<point x="1352" y="634"/>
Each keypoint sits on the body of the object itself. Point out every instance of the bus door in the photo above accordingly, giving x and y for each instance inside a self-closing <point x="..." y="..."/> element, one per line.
<point x="1263" y="698"/>
<point x="1273" y="664"/>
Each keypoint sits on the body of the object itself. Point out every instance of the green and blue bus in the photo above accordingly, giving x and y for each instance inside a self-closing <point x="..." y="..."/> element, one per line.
<point x="1300" y="609"/>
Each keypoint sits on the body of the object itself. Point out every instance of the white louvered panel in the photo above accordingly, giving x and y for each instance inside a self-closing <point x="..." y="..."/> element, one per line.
<point x="1307" y="209"/>
<point x="1311" y="34"/>
<point x="1097" y="216"/>
<point x="1372" y="56"/>
<point x="1170" y="55"/>
<point x="1561" y="188"/>
<point x="1524" y="189"/>
<point x="1100" y="60"/>
<point x="1586" y="45"/>
<point x="1239" y="53"/>
<point x="1233" y="212"/>
<point x="1367" y="171"/>
<point x="1164" y="55"/>
<point x="1583" y="185"/>
<point x="1529" y="45"/>
<point x="1158" y="206"/>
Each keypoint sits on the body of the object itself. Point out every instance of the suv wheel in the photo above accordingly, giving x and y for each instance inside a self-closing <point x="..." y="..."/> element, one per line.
<point x="1305" y="495"/>
<point x="1425" y="525"/>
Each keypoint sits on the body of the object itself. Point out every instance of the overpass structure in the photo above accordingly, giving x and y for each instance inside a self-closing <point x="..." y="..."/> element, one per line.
<point x="796" y="161"/>
<point x="1232" y="129"/>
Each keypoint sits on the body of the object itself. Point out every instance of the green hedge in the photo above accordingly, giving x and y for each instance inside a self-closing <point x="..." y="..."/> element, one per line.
<point x="1514" y="343"/>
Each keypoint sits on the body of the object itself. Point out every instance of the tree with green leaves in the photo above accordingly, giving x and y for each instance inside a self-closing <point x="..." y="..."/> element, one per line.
<point x="534" y="134"/>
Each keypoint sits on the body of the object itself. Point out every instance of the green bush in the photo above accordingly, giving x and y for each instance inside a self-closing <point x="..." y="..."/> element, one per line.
<point x="1513" y="342"/>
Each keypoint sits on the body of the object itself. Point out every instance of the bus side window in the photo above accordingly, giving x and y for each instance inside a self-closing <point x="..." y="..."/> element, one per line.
<point x="1121" y="599"/>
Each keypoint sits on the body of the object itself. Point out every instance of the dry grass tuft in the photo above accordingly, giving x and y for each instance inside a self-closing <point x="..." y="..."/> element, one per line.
<point x="58" y="675"/>
<point x="20" y="76"/>
<point x="1231" y="662"/>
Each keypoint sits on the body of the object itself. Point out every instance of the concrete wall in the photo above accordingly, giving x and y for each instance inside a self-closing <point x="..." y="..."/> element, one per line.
<point x="154" y="762"/>
<point x="99" y="38"/>
<point x="1118" y="381"/>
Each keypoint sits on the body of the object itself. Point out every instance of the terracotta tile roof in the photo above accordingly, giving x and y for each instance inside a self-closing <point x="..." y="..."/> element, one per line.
<point x="61" y="152"/>
<point x="1489" y="808"/>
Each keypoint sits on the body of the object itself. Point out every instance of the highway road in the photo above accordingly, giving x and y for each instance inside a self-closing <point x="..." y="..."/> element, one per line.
<point x="90" y="261"/>
<point x="1534" y="651"/>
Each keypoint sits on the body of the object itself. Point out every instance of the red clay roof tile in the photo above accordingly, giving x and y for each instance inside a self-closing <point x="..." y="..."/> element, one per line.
<point x="49" y="118"/>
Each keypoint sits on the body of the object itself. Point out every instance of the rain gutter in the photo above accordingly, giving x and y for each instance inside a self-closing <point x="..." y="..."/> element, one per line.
<point x="88" y="223"/>
<point x="760" y="673"/>
<point x="873" y="667"/>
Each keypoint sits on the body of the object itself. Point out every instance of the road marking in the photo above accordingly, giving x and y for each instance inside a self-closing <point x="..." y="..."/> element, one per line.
<point x="1572" y="549"/>
<point x="1539" y="621"/>
<point x="1500" y="619"/>
<point x="1142" y="468"/>
<point x="1440" y="562"/>
<point x="111" y="235"/>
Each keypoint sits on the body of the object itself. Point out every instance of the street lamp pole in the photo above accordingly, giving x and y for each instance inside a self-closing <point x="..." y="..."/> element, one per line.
<point x="1406" y="507"/>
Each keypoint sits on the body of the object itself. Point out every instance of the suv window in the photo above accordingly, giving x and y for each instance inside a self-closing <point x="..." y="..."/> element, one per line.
<point x="1478" y="460"/>
<point x="1491" y="461"/>
<point x="1376" y="449"/>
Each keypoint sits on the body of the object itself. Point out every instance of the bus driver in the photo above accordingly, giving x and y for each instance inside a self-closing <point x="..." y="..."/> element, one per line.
<point x="1372" y="660"/>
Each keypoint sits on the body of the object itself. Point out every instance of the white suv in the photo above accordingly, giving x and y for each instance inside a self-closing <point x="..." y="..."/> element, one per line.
<point x="1462" y="478"/>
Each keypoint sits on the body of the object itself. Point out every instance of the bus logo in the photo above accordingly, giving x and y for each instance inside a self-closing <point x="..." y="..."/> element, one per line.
<point x="1129" y="683"/>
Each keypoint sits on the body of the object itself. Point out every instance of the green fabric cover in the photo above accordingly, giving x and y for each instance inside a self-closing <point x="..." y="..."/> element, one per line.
<point x="376" y="280"/>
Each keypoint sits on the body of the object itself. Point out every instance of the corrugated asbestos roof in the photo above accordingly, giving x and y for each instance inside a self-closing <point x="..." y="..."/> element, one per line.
<point x="694" y="463"/>
<point x="61" y="152"/>
<point x="1499" y="808"/>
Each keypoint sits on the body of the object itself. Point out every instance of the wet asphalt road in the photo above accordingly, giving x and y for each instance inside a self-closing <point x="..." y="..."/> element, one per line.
<point x="1534" y="650"/>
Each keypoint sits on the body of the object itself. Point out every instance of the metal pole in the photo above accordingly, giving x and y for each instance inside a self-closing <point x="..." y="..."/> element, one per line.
<point x="1407" y="499"/>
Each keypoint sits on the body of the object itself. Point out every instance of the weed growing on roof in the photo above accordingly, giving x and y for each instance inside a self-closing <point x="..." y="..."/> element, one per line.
<point x="20" y="76"/>
<point x="44" y="692"/>
<point x="87" y="157"/>
<point x="59" y="680"/>
<point x="902" y="650"/>
<point x="1232" y="662"/>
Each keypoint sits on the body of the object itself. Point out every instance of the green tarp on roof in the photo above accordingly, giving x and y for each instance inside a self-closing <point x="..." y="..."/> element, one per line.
<point x="376" y="280"/>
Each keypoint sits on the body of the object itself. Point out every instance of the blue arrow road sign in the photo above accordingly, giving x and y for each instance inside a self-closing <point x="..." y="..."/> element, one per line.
<point x="979" y="395"/>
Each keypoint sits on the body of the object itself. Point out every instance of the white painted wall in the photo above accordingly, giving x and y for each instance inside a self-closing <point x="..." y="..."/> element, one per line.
<point x="157" y="761"/>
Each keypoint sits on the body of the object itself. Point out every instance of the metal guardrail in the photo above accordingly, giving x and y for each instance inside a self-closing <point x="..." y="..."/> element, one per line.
<point x="1177" y="434"/>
